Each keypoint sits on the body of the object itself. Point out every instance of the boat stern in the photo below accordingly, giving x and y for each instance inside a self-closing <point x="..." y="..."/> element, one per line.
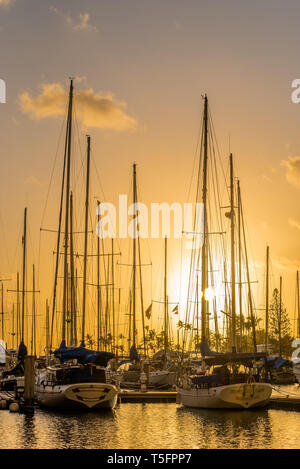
<point x="92" y="395"/>
<point x="246" y="395"/>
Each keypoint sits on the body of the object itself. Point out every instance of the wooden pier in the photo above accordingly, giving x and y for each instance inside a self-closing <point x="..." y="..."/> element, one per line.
<point x="284" y="403"/>
<point x="147" y="396"/>
<point x="279" y="403"/>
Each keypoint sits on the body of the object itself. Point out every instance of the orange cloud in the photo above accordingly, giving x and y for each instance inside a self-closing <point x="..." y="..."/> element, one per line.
<point x="6" y="3"/>
<point x="94" y="110"/>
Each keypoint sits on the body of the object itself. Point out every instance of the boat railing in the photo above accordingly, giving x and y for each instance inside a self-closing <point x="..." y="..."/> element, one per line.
<point x="208" y="381"/>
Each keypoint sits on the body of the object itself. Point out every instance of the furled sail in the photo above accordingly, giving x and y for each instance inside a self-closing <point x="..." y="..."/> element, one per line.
<point x="83" y="355"/>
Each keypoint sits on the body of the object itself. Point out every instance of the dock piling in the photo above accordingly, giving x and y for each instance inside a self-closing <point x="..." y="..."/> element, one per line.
<point x="29" y="380"/>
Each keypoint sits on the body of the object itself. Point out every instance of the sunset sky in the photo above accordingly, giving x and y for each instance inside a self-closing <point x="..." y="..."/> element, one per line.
<point x="140" y="68"/>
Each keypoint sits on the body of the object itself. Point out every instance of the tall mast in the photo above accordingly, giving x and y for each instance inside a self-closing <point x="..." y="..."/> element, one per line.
<point x="113" y="294"/>
<point x="24" y="275"/>
<point x="216" y="324"/>
<point x="134" y="258"/>
<point x="280" y="314"/>
<point x="87" y="193"/>
<point x="75" y="305"/>
<point x="73" y="302"/>
<point x="205" y="239"/>
<point x="240" y="265"/>
<point x="18" y="308"/>
<point x="130" y="313"/>
<point x="197" y="309"/>
<point x="99" y="322"/>
<point x="227" y="322"/>
<point x="2" y="309"/>
<point x="47" y="329"/>
<point x="33" y="326"/>
<point x="214" y="302"/>
<point x="166" y="297"/>
<point x="232" y="227"/>
<point x="119" y="305"/>
<point x="142" y="296"/>
<point x="107" y="273"/>
<point x="248" y="281"/>
<point x="67" y="199"/>
<point x="298" y="307"/>
<point x="68" y="317"/>
<point x="13" y="326"/>
<point x="267" y="299"/>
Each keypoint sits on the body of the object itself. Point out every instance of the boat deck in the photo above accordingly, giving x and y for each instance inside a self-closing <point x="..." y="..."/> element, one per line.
<point x="7" y="395"/>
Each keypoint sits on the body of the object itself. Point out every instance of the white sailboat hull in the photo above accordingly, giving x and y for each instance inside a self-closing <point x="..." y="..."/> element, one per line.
<point x="232" y="396"/>
<point x="77" y="396"/>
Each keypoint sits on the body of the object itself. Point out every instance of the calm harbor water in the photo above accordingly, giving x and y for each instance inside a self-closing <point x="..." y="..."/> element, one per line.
<point x="154" y="426"/>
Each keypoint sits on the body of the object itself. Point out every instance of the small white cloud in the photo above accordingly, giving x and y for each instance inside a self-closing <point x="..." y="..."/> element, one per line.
<point x="82" y="24"/>
<point x="294" y="223"/>
<point x="265" y="178"/>
<point x="80" y="79"/>
<point x="178" y="26"/>
<point x="292" y="165"/>
<point x="15" y="121"/>
<point x="264" y="225"/>
<point x="33" y="181"/>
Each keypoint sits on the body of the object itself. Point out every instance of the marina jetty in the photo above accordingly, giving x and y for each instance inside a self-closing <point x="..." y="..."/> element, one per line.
<point x="282" y="400"/>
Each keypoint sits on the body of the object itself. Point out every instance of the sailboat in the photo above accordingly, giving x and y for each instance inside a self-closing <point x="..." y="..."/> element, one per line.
<point x="12" y="379"/>
<point x="280" y="370"/>
<point x="80" y="385"/>
<point x="164" y="376"/>
<point x="296" y="367"/>
<point x="157" y="372"/>
<point x="218" y="380"/>
<point x="79" y="381"/>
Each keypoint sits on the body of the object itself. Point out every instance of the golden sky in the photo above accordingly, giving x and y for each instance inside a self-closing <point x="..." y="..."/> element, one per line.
<point x="140" y="70"/>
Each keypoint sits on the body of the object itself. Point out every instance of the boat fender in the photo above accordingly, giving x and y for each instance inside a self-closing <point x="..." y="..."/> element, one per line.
<point x="14" y="407"/>
<point x="3" y="404"/>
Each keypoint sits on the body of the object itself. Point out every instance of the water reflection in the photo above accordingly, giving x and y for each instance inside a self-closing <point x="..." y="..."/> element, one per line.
<point x="151" y="426"/>
<point x="230" y="429"/>
<point x="27" y="431"/>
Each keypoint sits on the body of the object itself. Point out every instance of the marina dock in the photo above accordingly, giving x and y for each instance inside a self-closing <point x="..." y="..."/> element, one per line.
<point x="284" y="403"/>
<point x="147" y="396"/>
<point x="276" y="402"/>
<point x="134" y="396"/>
